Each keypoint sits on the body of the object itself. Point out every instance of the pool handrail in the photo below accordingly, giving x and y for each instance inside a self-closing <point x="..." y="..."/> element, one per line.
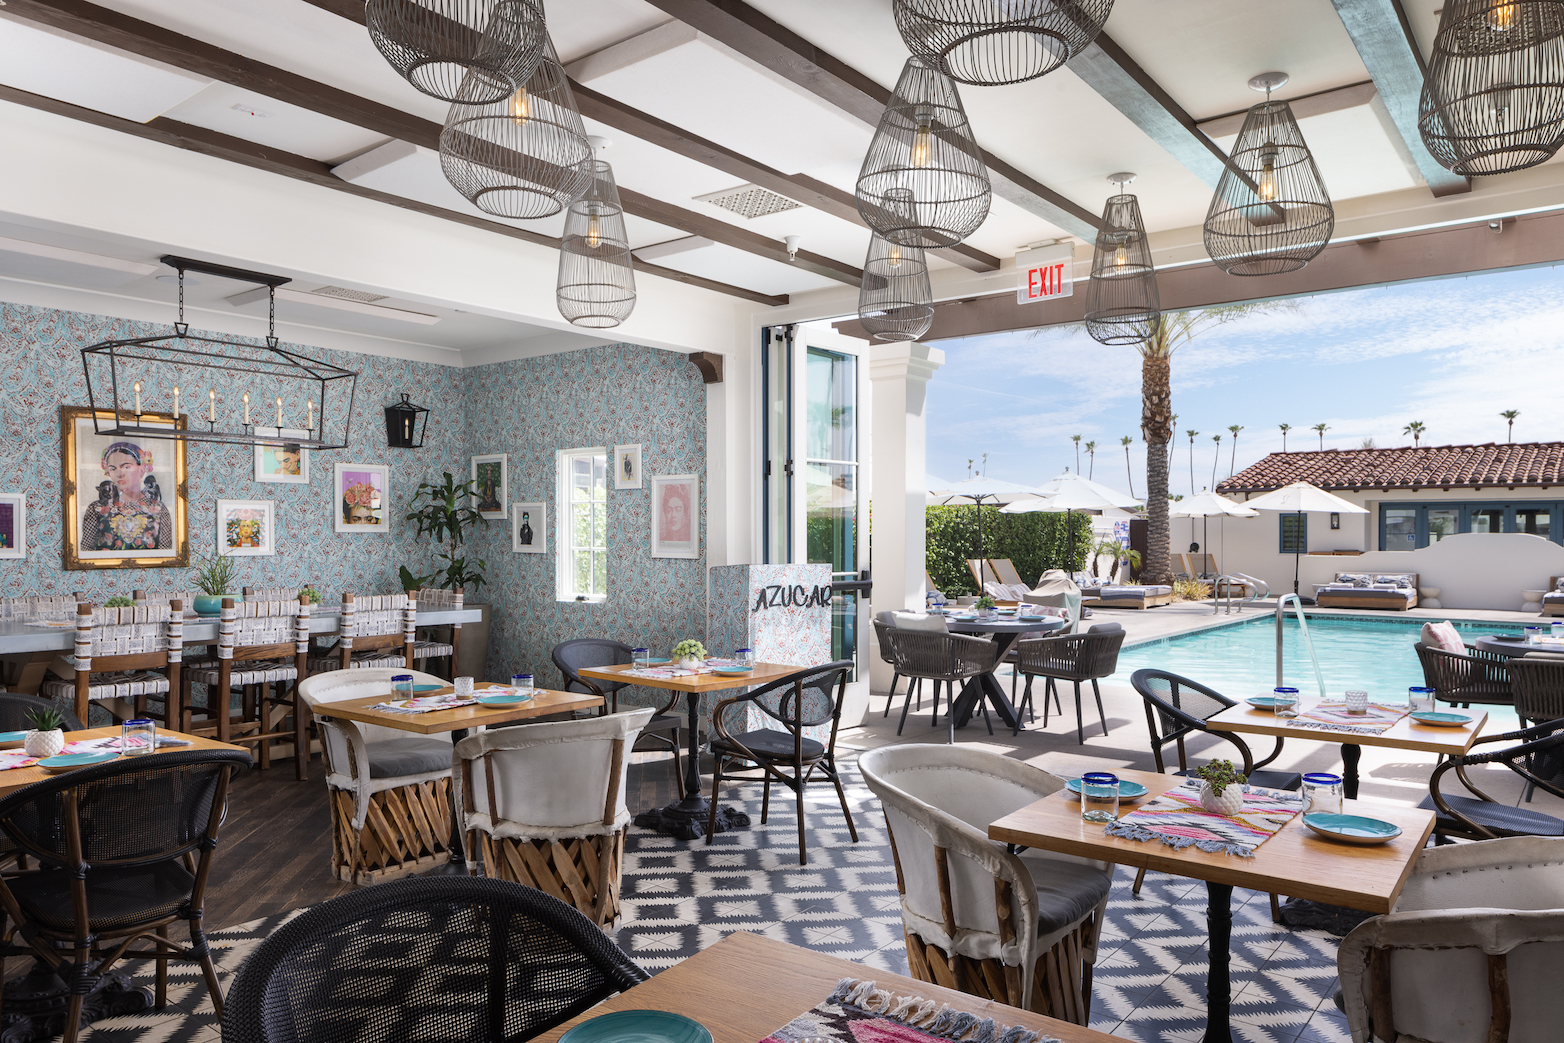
<point x="1303" y="624"/>
<point x="1261" y="588"/>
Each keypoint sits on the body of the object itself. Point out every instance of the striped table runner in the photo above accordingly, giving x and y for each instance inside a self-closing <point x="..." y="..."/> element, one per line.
<point x="1333" y="717"/>
<point x="1177" y="819"/>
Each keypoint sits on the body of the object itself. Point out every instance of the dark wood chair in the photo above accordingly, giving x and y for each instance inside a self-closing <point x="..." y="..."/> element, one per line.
<point x="436" y="646"/>
<point x="122" y="656"/>
<point x="376" y="632"/>
<point x="1074" y="658"/>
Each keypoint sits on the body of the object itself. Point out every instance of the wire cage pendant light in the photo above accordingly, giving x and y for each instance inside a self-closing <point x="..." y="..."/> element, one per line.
<point x="435" y="44"/>
<point x="925" y="147"/>
<point x="1270" y="213"/>
<point x="895" y="301"/>
<point x="1493" y="97"/>
<point x="987" y="44"/>
<point x="596" y="286"/>
<point x="525" y="156"/>
<point x="1122" y="305"/>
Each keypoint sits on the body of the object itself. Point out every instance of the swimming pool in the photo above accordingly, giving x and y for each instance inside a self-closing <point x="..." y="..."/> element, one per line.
<point x="1374" y="655"/>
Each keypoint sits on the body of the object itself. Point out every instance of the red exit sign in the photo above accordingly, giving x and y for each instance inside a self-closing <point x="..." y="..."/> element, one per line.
<point x="1045" y="274"/>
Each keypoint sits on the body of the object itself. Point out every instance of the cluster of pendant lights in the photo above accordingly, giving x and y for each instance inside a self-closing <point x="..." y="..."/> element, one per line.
<point x="514" y="143"/>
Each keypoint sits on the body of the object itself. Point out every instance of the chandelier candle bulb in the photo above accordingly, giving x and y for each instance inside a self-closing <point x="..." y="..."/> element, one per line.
<point x="309" y="414"/>
<point x="176" y="401"/>
<point x="138" y="398"/>
<point x="279" y="415"/>
<point x="211" y="406"/>
<point x="246" y="409"/>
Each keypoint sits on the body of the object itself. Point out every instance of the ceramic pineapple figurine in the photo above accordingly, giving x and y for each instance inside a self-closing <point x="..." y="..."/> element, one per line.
<point x="47" y="736"/>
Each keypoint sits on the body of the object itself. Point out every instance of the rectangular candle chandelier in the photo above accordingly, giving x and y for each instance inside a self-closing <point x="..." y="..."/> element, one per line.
<point x="253" y="394"/>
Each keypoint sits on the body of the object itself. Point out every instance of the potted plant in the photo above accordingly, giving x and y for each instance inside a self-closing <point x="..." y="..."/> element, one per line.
<point x="445" y="513"/>
<point x="1221" y="787"/>
<point x="310" y="594"/>
<point x="47" y="735"/>
<point x="985" y="606"/>
<point x="216" y="577"/>
<point x="688" y="654"/>
<point x="119" y="601"/>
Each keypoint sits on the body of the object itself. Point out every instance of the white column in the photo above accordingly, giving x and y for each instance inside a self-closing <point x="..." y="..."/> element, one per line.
<point x="898" y="376"/>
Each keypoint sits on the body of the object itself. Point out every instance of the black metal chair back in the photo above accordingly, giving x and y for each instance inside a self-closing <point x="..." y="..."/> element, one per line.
<point x="1463" y="679"/>
<point x="583" y="653"/>
<point x="1538" y="759"/>
<point x="426" y="960"/>
<point x="15" y="708"/>
<point x="1177" y="706"/>
<point x="1539" y="688"/>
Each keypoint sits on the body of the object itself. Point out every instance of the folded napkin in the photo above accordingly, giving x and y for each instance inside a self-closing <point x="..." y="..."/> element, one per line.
<point x="428" y="703"/>
<point x="1333" y="717"/>
<point x="1177" y="819"/>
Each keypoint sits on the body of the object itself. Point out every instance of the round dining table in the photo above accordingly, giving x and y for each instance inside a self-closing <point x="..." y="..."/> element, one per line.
<point x="1007" y="630"/>
<point x="1510" y="645"/>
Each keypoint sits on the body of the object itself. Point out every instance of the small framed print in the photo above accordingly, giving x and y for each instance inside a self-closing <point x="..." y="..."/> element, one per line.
<point x="528" y="528"/>
<point x="13" y="525"/>
<point x="488" y="479"/>
<point x="675" y="512"/>
<point x="627" y="466"/>
<point x="288" y="462"/>
<point x="246" y="528"/>
<point x="361" y="497"/>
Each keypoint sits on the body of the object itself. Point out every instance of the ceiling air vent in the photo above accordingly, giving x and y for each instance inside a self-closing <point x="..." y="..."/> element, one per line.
<point x="349" y="295"/>
<point x="749" y="201"/>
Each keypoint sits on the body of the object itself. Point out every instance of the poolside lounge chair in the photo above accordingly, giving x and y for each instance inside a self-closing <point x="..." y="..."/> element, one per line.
<point x="994" y="570"/>
<point x="1112" y="595"/>
<point x="1553" y="600"/>
<point x="1392" y="590"/>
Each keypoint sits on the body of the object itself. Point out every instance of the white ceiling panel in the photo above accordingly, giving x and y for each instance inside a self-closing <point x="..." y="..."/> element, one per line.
<point x="276" y="124"/>
<point x="726" y="264"/>
<point x="40" y="262"/>
<point x="1353" y="152"/>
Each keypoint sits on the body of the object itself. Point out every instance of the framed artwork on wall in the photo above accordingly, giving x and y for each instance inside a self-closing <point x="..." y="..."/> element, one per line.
<point x="675" y="516"/>
<point x="361" y="499"/>
<point x="13" y="525"/>
<point x="627" y="466"/>
<point x="283" y="463"/>
<point x="123" y="497"/>
<point x="529" y="528"/>
<point x="246" y="528"/>
<point x="488" y="477"/>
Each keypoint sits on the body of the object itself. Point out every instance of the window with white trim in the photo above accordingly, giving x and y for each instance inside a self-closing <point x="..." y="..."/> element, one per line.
<point x="582" y="560"/>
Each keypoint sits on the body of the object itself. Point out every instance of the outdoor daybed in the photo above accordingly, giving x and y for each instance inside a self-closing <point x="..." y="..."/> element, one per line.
<point x="1553" y="600"/>
<point x="1113" y="596"/>
<point x="1393" y="590"/>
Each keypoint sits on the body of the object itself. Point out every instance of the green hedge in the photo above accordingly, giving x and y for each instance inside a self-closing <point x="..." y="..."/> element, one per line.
<point x="1034" y="543"/>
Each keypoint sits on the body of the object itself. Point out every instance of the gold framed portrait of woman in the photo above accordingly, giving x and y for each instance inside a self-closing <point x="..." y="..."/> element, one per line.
<point x="124" y="496"/>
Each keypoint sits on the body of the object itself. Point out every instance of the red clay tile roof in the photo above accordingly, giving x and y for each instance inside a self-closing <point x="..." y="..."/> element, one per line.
<point x="1428" y="467"/>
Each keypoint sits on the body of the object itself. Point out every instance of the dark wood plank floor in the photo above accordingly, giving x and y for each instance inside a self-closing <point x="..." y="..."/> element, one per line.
<point x="274" y="853"/>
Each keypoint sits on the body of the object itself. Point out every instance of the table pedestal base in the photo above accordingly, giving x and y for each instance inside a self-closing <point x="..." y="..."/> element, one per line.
<point x="36" y="1003"/>
<point x="1219" y="990"/>
<point x="687" y="819"/>
<point x="1337" y="919"/>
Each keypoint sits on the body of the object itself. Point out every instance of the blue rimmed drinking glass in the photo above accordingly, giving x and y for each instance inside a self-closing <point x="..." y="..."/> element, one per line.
<point x="1420" y="700"/>
<point x="402" y="686"/>
<point x="1286" y="704"/>
<point x="1322" y="792"/>
<point x="1099" y="796"/>
<point x="640" y="658"/>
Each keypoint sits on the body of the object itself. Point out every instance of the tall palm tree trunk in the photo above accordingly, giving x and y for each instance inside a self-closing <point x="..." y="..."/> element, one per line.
<point x="1156" y="426"/>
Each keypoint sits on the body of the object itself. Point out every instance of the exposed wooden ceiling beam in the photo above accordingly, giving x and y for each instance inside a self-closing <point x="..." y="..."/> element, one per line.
<point x="766" y="42"/>
<point x="302" y="168"/>
<point x="1384" y="40"/>
<point x="105" y="26"/>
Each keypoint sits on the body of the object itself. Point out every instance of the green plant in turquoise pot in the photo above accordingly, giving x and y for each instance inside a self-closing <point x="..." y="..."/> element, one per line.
<point x="216" y="577"/>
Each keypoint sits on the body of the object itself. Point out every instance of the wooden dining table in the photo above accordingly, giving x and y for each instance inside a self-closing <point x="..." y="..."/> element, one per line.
<point x="1293" y="861"/>
<point x="16" y="778"/>
<point x="745" y="987"/>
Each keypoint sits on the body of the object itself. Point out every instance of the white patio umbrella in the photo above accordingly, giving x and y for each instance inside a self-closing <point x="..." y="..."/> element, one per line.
<point x="1071" y="493"/>
<point x="978" y="490"/>
<point x="1208" y="505"/>
<point x="1112" y="496"/>
<point x="1298" y="498"/>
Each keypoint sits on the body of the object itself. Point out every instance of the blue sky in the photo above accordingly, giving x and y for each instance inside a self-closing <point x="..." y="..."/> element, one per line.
<point x="1452" y="353"/>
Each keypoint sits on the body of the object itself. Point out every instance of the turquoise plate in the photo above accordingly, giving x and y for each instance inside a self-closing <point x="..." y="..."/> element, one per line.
<point x="1443" y="720"/>
<point x="12" y="736"/>
<point x="654" y="662"/>
<point x="503" y="700"/>
<point x="1127" y="790"/>
<point x="1262" y="702"/>
<point x="429" y="687"/>
<point x="67" y="761"/>
<point x="1351" y="829"/>
<point x="730" y="670"/>
<point x="638" y="1026"/>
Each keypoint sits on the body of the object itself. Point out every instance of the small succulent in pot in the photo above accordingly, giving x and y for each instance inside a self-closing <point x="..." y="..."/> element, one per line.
<point x="1221" y="787"/>
<point x="984" y="605"/>
<point x="217" y="577"/>
<point x="689" y="654"/>
<point x="119" y="601"/>
<point x="310" y="594"/>
<point x="47" y="736"/>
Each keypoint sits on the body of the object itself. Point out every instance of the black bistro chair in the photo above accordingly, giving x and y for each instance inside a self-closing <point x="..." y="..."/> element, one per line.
<point x="805" y="699"/>
<point x="583" y="653"/>
<point x="1069" y="657"/>
<point x="426" y="960"/>
<point x="123" y="851"/>
<point x="1538" y="758"/>
<point x="1463" y="679"/>
<point x="15" y="708"/>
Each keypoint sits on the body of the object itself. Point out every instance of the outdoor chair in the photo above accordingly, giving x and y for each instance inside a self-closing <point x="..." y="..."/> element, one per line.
<point x="1472" y="950"/>
<point x="994" y="570"/>
<point x="1538" y="683"/>
<point x="942" y="658"/>
<point x="1538" y="759"/>
<point x="585" y="652"/>
<point x="1069" y="657"/>
<point x="15" y="708"/>
<point x="1464" y="679"/>
<point x="547" y="804"/>
<point x="1016" y="929"/>
<point x="884" y="621"/>
<point x="376" y="632"/>
<point x="122" y="656"/>
<point x="810" y="698"/>
<point x="388" y="790"/>
<point x="424" y="649"/>
<point x="426" y="960"/>
<point x="123" y="852"/>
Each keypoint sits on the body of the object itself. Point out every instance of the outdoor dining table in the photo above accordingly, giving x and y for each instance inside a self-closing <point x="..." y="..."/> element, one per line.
<point x="686" y="818"/>
<point x="1405" y="734"/>
<point x="16" y="778"/>
<point x="458" y="721"/>
<point x="1293" y="861"/>
<point x="1007" y="630"/>
<point x="1511" y="646"/>
<point x="746" y="987"/>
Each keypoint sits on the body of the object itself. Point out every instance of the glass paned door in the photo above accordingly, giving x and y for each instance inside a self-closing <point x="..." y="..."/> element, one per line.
<point x="1443" y="522"/>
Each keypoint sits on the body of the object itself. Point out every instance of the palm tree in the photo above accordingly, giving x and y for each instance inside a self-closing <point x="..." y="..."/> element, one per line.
<point x="1172" y="430"/>
<point x="1415" y="429"/>
<point x="1125" y="442"/>
<point x="1510" y="415"/>
<point x="1215" y="460"/>
<point x="1285" y="428"/>
<point x="1091" y="458"/>
<point x="1320" y="429"/>
<point x="1191" y="433"/>
<point x="1233" y="460"/>
<point x="1077" y="440"/>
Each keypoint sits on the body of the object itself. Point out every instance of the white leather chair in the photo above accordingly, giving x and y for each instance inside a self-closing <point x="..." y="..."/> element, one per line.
<point x="974" y="914"/>
<point x="1474" y="950"/>
<point x="547" y="804"/>
<point x="389" y="789"/>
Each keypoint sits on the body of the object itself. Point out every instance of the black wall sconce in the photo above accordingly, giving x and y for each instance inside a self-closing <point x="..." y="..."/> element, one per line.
<point x="1335" y="520"/>
<point x="406" y="424"/>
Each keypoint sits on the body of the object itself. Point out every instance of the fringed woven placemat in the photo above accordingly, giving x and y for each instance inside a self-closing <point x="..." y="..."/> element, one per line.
<point x="1177" y="819"/>
<point x="857" y="1012"/>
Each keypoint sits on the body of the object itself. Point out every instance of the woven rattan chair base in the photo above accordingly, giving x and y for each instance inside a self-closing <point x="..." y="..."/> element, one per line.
<point x="407" y="830"/>
<point x="1059" y="988"/>
<point x="581" y="871"/>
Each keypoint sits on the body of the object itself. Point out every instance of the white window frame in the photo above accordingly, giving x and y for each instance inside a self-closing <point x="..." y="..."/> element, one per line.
<point x="565" y="534"/>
